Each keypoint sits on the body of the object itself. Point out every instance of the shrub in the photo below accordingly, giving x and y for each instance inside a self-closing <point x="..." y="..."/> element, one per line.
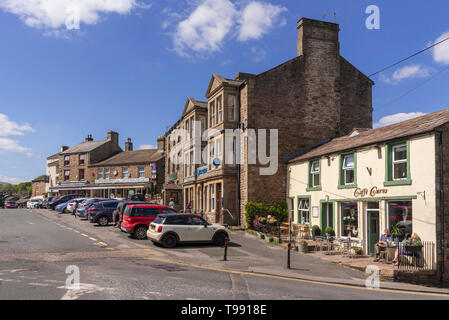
<point x="316" y="230"/>
<point x="251" y="210"/>
<point x="330" y="231"/>
<point x="279" y="211"/>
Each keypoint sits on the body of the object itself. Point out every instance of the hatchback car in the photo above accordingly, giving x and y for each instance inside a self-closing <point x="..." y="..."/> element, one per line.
<point x="169" y="230"/>
<point x="34" y="203"/>
<point x="82" y="210"/>
<point x="58" y="200"/>
<point x="101" y="212"/>
<point x="121" y="208"/>
<point x="11" y="205"/>
<point x="137" y="218"/>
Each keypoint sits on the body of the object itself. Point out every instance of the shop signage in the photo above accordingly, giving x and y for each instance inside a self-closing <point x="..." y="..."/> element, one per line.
<point x="173" y="177"/>
<point x="201" y="171"/>
<point x="374" y="191"/>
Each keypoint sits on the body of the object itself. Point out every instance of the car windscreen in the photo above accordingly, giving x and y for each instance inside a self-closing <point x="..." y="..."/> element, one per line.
<point x="159" y="220"/>
<point x="168" y="210"/>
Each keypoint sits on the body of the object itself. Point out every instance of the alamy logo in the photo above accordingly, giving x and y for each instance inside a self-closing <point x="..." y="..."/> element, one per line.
<point x="240" y="146"/>
<point x="373" y="21"/>
<point x="372" y="282"/>
<point x="73" y="280"/>
<point x="73" y="18"/>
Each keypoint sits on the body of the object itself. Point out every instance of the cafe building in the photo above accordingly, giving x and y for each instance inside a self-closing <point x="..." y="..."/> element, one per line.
<point x="374" y="179"/>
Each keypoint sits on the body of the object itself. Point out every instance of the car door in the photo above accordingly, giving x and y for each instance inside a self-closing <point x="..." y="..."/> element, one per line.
<point x="198" y="229"/>
<point x="179" y="225"/>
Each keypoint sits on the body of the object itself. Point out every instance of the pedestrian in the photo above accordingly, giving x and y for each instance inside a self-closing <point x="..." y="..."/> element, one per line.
<point x="189" y="207"/>
<point x="75" y="207"/>
<point x="171" y="204"/>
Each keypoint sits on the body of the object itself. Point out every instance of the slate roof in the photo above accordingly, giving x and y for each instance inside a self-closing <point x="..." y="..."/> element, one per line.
<point x="132" y="157"/>
<point x="419" y="125"/>
<point x="84" y="147"/>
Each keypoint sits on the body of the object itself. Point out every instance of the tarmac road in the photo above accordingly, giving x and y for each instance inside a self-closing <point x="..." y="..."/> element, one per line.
<point x="37" y="247"/>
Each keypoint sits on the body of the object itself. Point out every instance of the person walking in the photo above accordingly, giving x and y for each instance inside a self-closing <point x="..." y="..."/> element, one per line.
<point x="75" y="207"/>
<point x="171" y="204"/>
<point x="189" y="207"/>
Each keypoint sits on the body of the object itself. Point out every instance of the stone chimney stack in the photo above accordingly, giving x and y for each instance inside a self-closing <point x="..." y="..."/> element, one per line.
<point x="113" y="136"/>
<point x="89" y="138"/>
<point x="64" y="148"/>
<point x="317" y="37"/>
<point x="161" y="144"/>
<point x="128" y="145"/>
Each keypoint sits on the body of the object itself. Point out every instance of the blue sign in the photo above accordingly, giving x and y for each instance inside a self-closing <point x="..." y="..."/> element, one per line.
<point x="201" y="171"/>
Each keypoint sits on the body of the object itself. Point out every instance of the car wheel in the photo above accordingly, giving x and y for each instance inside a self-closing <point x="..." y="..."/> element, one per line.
<point x="169" y="241"/>
<point x="220" y="239"/>
<point x="103" y="221"/>
<point x="140" y="232"/>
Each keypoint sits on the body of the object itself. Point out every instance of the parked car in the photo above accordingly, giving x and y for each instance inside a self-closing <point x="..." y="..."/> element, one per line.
<point x="58" y="200"/>
<point x="101" y="212"/>
<point x="61" y="208"/>
<point x="71" y="204"/>
<point x="34" y="203"/>
<point x="122" y="206"/>
<point x="169" y="230"/>
<point x="46" y="201"/>
<point x="137" y="218"/>
<point x="82" y="211"/>
<point x="11" y="205"/>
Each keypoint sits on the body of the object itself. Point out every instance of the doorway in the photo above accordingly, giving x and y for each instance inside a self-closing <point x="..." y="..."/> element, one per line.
<point x="327" y="216"/>
<point x="372" y="215"/>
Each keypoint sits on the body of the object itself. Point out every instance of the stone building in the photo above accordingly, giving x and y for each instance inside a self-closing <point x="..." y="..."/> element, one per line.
<point x="73" y="163"/>
<point x="315" y="96"/>
<point x="38" y="186"/>
<point x="364" y="182"/>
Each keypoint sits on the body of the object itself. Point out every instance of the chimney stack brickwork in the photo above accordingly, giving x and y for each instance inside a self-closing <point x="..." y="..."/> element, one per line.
<point x="129" y="145"/>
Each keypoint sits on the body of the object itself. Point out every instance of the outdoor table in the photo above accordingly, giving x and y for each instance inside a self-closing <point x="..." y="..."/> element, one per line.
<point x="346" y="245"/>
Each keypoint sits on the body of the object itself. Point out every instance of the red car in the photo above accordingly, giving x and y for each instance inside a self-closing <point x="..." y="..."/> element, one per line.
<point x="11" y="205"/>
<point x="137" y="218"/>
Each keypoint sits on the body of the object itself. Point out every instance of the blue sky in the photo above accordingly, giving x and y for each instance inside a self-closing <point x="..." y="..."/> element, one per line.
<point x="132" y="63"/>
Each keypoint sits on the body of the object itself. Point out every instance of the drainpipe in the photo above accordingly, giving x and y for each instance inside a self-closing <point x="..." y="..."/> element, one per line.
<point x="440" y="136"/>
<point x="239" y="198"/>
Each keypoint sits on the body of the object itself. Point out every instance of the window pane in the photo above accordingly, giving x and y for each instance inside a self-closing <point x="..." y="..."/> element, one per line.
<point x="316" y="180"/>
<point x="349" y="176"/>
<point x="400" y="212"/>
<point x="400" y="153"/>
<point x="400" y="171"/>
<point x="315" y="167"/>
<point x="350" y="219"/>
<point x="348" y="162"/>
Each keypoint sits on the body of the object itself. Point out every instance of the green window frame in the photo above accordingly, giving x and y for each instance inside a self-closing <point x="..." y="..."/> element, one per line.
<point x="341" y="179"/>
<point x="299" y="200"/>
<point x="389" y="181"/>
<point x="311" y="186"/>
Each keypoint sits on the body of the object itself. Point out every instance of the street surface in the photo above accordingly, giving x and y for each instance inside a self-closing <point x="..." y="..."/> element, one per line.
<point x="37" y="246"/>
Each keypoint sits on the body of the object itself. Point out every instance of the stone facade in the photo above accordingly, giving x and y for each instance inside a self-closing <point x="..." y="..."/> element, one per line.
<point x="39" y="187"/>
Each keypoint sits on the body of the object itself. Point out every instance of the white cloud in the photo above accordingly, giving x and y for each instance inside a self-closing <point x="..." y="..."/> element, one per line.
<point x="210" y="23"/>
<point x="147" y="146"/>
<point x="258" y="18"/>
<point x="258" y="54"/>
<point x="10" y="180"/>
<point x="441" y="51"/>
<point x="206" y="27"/>
<point x="407" y="72"/>
<point x="11" y="128"/>
<point x="11" y="145"/>
<point x="52" y="14"/>
<point x="395" y="118"/>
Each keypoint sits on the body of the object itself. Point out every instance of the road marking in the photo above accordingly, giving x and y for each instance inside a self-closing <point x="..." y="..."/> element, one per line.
<point x="295" y="279"/>
<point x="85" y="288"/>
<point x="84" y="235"/>
<point x="93" y="239"/>
<point x="38" y="284"/>
<point x="100" y="244"/>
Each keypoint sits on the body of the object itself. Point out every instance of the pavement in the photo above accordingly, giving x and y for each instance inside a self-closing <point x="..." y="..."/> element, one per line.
<point x="37" y="246"/>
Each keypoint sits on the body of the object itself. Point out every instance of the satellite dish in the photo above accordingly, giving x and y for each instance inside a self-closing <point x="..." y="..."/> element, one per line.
<point x="216" y="162"/>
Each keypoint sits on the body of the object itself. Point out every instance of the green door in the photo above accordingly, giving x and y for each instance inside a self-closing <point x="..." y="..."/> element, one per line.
<point x="373" y="230"/>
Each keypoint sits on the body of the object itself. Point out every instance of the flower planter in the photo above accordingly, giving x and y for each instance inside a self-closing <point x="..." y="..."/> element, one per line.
<point x="303" y="247"/>
<point x="413" y="249"/>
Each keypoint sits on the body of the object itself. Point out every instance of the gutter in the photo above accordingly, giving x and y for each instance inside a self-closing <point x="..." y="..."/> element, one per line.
<point x="440" y="136"/>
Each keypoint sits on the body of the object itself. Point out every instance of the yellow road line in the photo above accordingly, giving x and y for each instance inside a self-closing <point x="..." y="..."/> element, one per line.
<point x="295" y="279"/>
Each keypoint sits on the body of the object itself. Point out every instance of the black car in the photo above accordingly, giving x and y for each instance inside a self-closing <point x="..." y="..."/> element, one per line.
<point x="101" y="212"/>
<point x="53" y="203"/>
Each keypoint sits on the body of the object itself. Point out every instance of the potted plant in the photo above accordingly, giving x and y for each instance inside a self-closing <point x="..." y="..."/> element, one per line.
<point x="413" y="247"/>
<point x="303" y="246"/>
<point x="329" y="231"/>
<point x="358" y="251"/>
<point x="316" y="232"/>
<point x="397" y="231"/>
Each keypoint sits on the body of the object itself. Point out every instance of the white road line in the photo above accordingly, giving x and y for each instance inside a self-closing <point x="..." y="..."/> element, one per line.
<point x="93" y="239"/>
<point x="84" y="235"/>
<point x="38" y="284"/>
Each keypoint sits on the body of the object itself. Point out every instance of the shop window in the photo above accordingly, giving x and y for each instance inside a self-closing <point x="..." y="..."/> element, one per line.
<point x="314" y="175"/>
<point x="303" y="211"/>
<point x="349" y="219"/>
<point x="397" y="164"/>
<point x="400" y="215"/>
<point x="212" y="198"/>
<point x="348" y="170"/>
<point x="67" y="160"/>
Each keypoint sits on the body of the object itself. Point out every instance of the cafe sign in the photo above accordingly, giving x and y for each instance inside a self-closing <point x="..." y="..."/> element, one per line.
<point x="374" y="191"/>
